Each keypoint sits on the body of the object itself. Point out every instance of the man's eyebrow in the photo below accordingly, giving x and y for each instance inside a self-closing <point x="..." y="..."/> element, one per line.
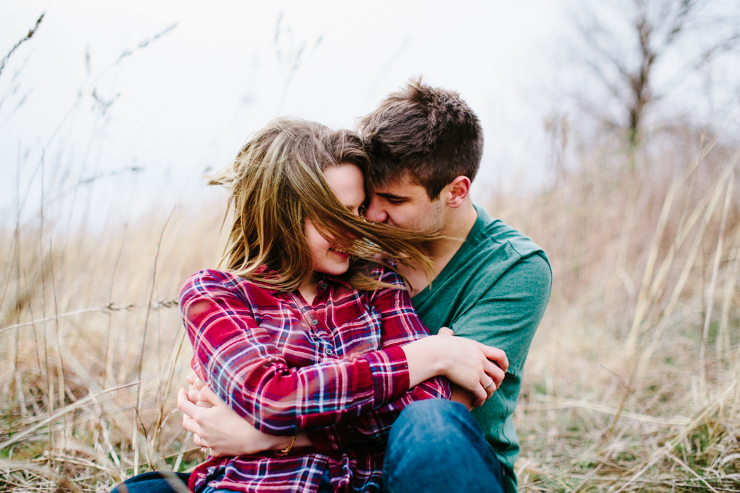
<point x="391" y="196"/>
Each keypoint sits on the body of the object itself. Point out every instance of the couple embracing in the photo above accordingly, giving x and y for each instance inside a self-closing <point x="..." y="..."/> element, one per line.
<point x="314" y="367"/>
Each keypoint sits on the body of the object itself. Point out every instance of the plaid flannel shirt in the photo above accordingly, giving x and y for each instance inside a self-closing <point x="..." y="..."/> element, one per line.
<point x="333" y="369"/>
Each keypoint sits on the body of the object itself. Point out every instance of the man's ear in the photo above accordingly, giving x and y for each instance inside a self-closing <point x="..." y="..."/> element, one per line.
<point x="457" y="191"/>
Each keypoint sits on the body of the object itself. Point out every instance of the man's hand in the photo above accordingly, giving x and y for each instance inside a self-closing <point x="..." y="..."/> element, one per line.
<point x="216" y="426"/>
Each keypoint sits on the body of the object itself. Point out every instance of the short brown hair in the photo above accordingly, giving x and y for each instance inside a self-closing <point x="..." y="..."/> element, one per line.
<point x="427" y="133"/>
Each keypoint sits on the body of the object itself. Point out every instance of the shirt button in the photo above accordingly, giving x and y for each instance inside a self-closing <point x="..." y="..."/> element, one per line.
<point x="329" y="352"/>
<point x="322" y="285"/>
<point x="314" y="322"/>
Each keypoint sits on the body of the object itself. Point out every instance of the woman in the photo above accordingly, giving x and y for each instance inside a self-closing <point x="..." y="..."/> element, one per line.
<point x="309" y="335"/>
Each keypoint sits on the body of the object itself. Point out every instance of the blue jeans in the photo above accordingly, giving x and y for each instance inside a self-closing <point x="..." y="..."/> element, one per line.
<point x="437" y="446"/>
<point x="154" y="482"/>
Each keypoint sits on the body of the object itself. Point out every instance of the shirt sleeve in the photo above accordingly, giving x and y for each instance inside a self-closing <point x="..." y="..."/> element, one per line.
<point x="506" y="316"/>
<point x="399" y="325"/>
<point x="241" y="363"/>
<point x="507" y="313"/>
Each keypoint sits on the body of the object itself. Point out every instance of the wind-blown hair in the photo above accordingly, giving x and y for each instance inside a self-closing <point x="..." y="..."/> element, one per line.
<point x="277" y="183"/>
<point x="427" y="134"/>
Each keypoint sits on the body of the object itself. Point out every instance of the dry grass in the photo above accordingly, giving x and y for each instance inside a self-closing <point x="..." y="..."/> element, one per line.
<point x="631" y="384"/>
<point x="93" y="352"/>
<point x="632" y="381"/>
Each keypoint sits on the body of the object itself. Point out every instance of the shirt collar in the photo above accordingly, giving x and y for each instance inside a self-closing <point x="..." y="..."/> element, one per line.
<point x="336" y="279"/>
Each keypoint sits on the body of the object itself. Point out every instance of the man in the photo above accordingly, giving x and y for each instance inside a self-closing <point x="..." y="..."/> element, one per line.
<point x="426" y="145"/>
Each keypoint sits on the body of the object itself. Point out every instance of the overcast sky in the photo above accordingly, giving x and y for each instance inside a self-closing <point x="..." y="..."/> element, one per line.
<point x="187" y="100"/>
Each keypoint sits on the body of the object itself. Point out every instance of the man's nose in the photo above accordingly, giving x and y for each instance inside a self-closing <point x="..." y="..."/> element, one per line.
<point x="375" y="212"/>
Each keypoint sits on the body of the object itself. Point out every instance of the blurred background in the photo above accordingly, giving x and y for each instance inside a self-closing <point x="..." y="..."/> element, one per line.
<point x="611" y="140"/>
<point x="145" y="97"/>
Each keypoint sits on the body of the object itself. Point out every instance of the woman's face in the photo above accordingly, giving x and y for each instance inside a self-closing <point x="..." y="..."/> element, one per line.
<point x="348" y="185"/>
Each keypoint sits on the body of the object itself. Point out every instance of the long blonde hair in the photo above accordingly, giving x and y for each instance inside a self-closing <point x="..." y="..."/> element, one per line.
<point x="277" y="183"/>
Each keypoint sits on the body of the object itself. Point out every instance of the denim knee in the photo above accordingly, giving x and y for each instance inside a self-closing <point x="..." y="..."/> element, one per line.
<point x="437" y="445"/>
<point x="154" y="482"/>
<point x="435" y="420"/>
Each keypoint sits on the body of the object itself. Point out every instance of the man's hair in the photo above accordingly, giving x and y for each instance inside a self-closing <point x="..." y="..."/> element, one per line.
<point x="426" y="133"/>
<point x="277" y="182"/>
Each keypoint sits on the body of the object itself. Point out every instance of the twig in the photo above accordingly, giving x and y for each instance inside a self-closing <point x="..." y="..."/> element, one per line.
<point x="170" y="377"/>
<point x="111" y="307"/>
<point x="143" y="345"/>
<point x="108" y="372"/>
<point x="652" y="256"/>
<point x="183" y="446"/>
<point x="62" y="482"/>
<point x="570" y="403"/>
<point x="685" y="466"/>
<point x="712" y="287"/>
<point x="59" y="413"/>
<point x="151" y="293"/>
<point x="91" y="85"/>
<point x="723" y="342"/>
<point x="683" y="278"/>
<point x="22" y="40"/>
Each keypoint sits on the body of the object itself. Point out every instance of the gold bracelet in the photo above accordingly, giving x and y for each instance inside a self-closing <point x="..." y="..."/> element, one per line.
<point x="286" y="450"/>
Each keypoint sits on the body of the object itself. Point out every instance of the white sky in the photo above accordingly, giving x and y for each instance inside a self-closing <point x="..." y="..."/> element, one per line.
<point x="188" y="100"/>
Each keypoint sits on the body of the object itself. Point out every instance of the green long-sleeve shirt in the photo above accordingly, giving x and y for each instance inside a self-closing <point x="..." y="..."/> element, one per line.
<point x="495" y="291"/>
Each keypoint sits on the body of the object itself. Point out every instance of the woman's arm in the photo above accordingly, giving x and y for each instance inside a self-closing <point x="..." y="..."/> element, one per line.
<point x="395" y="317"/>
<point x="240" y="362"/>
<point x="400" y="326"/>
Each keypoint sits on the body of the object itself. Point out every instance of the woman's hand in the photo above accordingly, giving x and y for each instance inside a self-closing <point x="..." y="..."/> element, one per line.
<point x="473" y="366"/>
<point x="216" y="426"/>
<point x="459" y="394"/>
<point x="194" y="382"/>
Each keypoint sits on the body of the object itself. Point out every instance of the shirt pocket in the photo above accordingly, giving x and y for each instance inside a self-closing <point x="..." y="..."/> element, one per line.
<point x="361" y="334"/>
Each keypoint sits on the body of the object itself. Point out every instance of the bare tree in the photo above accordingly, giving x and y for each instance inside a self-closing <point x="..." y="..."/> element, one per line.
<point x="625" y="42"/>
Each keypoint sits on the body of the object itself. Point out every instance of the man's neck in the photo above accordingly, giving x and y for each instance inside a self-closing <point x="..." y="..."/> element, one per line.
<point x="458" y="224"/>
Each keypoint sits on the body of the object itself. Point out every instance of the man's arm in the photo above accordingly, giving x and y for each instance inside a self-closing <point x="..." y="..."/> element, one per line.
<point x="507" y="315"/>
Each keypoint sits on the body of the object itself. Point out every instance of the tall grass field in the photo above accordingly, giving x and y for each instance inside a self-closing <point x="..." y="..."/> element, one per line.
<point x="632" y="382"/>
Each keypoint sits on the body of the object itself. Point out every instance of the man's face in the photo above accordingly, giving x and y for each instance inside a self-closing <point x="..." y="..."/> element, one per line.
<point x="403" y="204"/>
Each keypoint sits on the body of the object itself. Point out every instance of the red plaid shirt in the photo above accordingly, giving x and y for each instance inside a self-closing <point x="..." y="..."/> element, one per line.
<point x="332" y="369"/>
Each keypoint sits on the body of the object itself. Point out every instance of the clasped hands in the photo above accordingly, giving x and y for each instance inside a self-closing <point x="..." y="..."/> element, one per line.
<point x="223" y="432"/>
<point x="217" y="427"/>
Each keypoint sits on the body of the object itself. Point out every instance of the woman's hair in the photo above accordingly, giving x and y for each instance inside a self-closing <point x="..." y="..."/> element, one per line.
<point x="277" y="183"/>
